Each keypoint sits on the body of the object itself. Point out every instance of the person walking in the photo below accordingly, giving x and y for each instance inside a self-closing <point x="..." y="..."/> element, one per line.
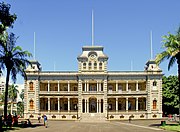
<point x="45" y="121"/>
<point x="39" y="118"/>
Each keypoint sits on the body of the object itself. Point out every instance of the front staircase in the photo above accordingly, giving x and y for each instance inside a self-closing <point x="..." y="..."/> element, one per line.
<point x="93" y="117"/>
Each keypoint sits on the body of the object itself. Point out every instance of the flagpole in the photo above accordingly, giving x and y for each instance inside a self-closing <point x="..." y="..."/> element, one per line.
<point x="92" y="28"/>
<point x="34" y="46"/>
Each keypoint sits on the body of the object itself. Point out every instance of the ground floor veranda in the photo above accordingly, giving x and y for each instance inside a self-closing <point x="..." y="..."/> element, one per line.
<point x="93" y="104"/>
<point x="73" y="108"/>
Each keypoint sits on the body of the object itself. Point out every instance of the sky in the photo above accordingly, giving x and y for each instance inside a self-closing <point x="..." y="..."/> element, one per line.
<point x="122" y="27"/>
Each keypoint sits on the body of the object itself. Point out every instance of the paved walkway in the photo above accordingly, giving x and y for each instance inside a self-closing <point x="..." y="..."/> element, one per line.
<point x="109" y="126"/>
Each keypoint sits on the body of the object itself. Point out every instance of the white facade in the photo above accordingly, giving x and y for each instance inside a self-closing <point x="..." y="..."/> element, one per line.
<point x="93" y="91"/>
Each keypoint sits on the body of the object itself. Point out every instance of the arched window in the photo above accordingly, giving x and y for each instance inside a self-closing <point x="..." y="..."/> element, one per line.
<point x="90" y="65"/>
<point x="95" y="65"/>
<point x="154" y="104"/>
<point x="31" y="104"/>
<point x="100" y="66"/>
<point x="31" y="86"/>
<point x="154" y="83"/>
<point x="84" y="65"/>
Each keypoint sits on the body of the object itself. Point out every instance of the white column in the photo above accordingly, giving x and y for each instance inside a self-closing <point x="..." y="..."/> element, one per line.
<point x="137" y="86"/>
<point x="49" y="105"/>
<point x="58" y="87"/>
<point x="116" y="104"/>
<point x="126" y="85"/>
<point x="100" y="106"/>
<point x="87" y="86"/>
<point x="100" y="86"/>
<point x="137" y="104"/>
<point x="97" y="86"/>
<point x="146" y="104"/>
<point x="85" y="105"/>
<point x="58" y="105"/>
<point x="68" y="105"/>
<point x="116" y="86"/>
<point x="126" y="104"/>
<point x="97" y="106"/>
<point x="68" y="86"/>
<point x="48" y="86"/>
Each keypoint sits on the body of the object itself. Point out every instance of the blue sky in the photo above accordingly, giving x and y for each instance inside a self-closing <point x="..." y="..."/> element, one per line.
<point x="122" y="26"/>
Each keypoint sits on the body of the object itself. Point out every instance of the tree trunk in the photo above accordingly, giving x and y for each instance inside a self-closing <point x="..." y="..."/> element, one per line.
<point x="6" y="94"/>
<point x="179" y="88"/>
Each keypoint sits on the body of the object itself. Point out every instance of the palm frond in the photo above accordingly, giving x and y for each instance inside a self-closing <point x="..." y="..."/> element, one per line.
<point x="171" y="62"/>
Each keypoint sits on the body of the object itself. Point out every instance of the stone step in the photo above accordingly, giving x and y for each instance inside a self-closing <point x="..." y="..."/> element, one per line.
<point x="93" y="117"/>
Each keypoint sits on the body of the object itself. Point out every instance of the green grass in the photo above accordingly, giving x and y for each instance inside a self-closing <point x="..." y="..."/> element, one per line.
<point x="172" y="127"/>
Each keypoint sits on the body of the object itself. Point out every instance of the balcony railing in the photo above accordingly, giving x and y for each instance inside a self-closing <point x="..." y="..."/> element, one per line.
<point x="127" y="92"/>
<point x="58" y="92"/>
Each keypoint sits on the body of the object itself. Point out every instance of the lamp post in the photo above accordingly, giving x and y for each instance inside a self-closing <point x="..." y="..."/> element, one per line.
<point x="76" y="108"/>
<point x="107" y="110"/>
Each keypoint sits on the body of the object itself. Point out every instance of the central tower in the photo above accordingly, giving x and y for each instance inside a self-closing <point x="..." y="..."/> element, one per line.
<point x="92" y="59"/>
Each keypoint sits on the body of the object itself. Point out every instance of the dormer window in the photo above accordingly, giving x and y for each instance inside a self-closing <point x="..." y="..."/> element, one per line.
<point x="90" y="65"/>
<point x="84" y="65"/>
<point x="100" y="66"/>
<point x="95" y="65"/>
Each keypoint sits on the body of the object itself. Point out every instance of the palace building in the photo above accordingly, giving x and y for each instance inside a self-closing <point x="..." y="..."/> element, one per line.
<point x="93" y="92"/>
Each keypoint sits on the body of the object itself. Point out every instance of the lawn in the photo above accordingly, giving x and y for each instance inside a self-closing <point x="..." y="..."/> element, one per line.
<point x="172" y="127"/>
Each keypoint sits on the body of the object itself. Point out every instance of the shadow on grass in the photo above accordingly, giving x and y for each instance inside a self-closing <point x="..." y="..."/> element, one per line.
<point x="20" y="126"/>
<point x="159" y="125"/>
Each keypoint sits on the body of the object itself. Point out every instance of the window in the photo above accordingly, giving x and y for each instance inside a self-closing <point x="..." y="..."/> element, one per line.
<point x="95" y="65"/>
<point x="31" y="85"/>
<point x="90" y="65"/>
<point x="100" y="66"/>
<point x="154" y="83"/>
<point x="31" y="102"/>
<point x="120" y="88"/>
<point x="110" y="88"/>
<point x="84" y="65"/>
<point x="154" y="104"/>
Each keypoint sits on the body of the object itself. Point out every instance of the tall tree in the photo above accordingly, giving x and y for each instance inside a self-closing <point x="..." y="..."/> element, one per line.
<point x="6" y="18"/>
<point x="12" y="92"/>
<point x="170" y="94"/>
<point x="171" y="52"/>
<point x="14" y="59"/>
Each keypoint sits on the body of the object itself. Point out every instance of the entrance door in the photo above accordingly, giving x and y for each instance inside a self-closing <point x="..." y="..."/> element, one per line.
<point x="92" y="105"/>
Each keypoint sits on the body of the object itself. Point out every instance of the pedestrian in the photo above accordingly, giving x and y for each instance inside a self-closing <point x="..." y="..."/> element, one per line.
<point x="130" y="119"/>
<point x="45" y="121"/>
<point x="39" y="118"/>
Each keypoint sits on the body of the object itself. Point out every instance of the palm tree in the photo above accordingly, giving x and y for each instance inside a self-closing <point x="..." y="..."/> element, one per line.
<point x="14" y="59"/>
<point x="172" y="52"/>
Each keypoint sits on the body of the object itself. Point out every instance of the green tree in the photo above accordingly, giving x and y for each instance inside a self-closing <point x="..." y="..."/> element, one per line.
<point x="170" y="94"/>
<point x="6" y="18"/>
<point x="171" y="52"/>
<point x="20" y="108"/>
<point x="14" y="59"/>
<point x="12" y="92"/>
<point x="22" y="95"/>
